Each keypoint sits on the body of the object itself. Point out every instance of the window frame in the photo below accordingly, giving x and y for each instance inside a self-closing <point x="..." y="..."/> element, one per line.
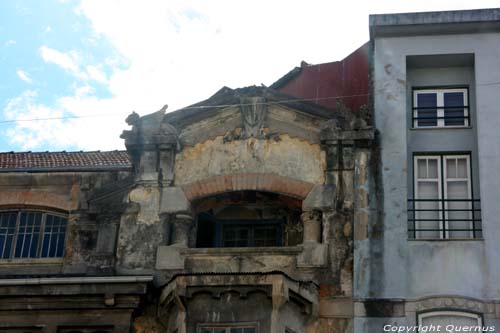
<point x="252" y="225"/>
<point x="455" y="312"/>
<point x="228" y="326"/>
<point x="440" y="109"/>
<point x="217" y="240"/>
<point x="443" y="180"/>
<point x="44" y="213"/>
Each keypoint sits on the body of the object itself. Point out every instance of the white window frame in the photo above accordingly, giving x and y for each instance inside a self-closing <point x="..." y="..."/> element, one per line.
<point x="450" y="313"/>
<point x="437" y="180"/>
<point x="447" y="180"/>
<point x="442" y="181"/>
<point x="440" y="103"/>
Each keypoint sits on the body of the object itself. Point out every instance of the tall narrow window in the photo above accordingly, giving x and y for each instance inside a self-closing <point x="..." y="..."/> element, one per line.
<point x="457" y="188"/>
<point x="440" y="108"/>
<point x="428" y="192"/>
<point x="443" y="205"/>
<point x="32" y="234"/>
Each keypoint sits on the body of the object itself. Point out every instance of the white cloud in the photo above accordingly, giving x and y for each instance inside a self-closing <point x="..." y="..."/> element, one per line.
<point x="40" y="125"/>
<point x="24" y="76"/>
<point x="96" y="74"/>
<point x="66" y="61"/>
<point x="179" y="52"/>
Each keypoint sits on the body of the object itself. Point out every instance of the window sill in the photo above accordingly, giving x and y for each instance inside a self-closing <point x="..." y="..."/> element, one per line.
<point x="445" y="239"/>
<point x="439" y="128"/>
<point x="222" y="251"/>
<point x="31" y="261"/>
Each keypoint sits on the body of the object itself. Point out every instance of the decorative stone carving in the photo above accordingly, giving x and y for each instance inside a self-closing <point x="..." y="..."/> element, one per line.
<point x="452" y="302"/>
<point x="152" y="142"/>
<point x="253" y="113"/>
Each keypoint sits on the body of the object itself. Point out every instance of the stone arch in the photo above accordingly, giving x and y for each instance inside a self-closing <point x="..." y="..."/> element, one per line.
<point x="37" y="199"/>
<point x="247" y="182"/>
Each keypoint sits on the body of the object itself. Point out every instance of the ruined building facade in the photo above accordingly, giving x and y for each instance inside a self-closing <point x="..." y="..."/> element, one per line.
<point x="265" y="210"/>
<point x="235" y="219"/>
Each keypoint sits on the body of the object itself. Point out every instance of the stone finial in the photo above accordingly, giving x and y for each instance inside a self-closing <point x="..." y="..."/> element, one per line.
<point x="150" y="130"/>
<point x="152" y="143"/>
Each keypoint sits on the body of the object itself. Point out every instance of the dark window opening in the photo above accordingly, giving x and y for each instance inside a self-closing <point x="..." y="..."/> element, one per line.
<point x="248" y="219"/>
<point x="32" y="234"/>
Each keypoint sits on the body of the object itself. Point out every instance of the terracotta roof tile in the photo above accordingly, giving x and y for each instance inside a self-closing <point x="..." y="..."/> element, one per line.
<point x="26" y="161"/>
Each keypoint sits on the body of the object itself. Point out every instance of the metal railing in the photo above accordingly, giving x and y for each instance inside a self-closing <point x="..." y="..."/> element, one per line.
<point x="444" y="218"/>
<point x="424" y="116"/>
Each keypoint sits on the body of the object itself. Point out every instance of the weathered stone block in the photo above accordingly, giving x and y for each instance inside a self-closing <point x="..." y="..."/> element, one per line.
<point x="336" y="307"/>
<point x="361" y="220"/>
<point x="173" y="200"/>
<point x="148" y="197"/>
<point x="313" y="255"/>
<point x="169" y="257"/>
<point x="321" y="197"/>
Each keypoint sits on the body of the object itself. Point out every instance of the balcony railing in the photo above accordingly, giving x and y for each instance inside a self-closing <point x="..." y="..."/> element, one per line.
<point x="431" y="116"/>
<point x="444" y="218"/>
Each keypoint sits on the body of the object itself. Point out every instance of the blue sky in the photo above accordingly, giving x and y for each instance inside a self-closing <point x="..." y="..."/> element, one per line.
<point x="87" y="64"/>
<point x="48" y="52"/>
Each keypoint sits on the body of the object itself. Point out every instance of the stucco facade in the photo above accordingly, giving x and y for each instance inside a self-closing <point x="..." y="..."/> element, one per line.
<point x="433" y="53"/>
<point x="232" y="218"/>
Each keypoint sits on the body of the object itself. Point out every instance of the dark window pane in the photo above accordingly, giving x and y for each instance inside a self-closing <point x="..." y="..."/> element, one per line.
<point x="427" y="111"/>
<point x="454" y="116"/>
<point x="29" y="233"/>
<point x="266" y="235"/>
<point x="249" y="330"/>
<point x="54" y="236"/>
<point x="19" y="246"/>
<point x="236" y="236"/>
<point x="45" y="246"/>
<point x="206" y="232"/>
<point x="7" y="229"/>
<point x="236" y="330"/>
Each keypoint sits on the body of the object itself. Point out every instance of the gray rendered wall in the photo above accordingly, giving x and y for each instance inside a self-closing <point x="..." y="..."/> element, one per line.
<point x="424" y="268"/>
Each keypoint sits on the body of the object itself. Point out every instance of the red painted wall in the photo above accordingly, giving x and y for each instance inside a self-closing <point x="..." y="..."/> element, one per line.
<point x="324" y="82"/>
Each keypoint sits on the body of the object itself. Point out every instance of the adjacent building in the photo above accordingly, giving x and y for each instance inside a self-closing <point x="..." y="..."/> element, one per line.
<point x="354" y="196"/>
<point x="433" y="250"/>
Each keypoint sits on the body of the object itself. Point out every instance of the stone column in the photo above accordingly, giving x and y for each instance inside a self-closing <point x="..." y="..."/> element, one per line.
<point x="312" y="226"/>
<point x="181" y="227"/>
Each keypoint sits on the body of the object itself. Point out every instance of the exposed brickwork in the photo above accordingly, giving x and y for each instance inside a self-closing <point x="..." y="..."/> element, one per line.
<point x="247" y="181"/>
<point x="54" y="160"/>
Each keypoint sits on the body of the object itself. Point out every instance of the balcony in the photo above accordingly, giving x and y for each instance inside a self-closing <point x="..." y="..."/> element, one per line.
<point x="444" y="219"/>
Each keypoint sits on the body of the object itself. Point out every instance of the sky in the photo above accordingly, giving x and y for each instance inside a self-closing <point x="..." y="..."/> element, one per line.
<point x="71" y="71"/>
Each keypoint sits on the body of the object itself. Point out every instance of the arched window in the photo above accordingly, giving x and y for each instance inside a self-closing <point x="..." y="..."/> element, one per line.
<point x="32" y="234"/>
<point x="450" y="321"/>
